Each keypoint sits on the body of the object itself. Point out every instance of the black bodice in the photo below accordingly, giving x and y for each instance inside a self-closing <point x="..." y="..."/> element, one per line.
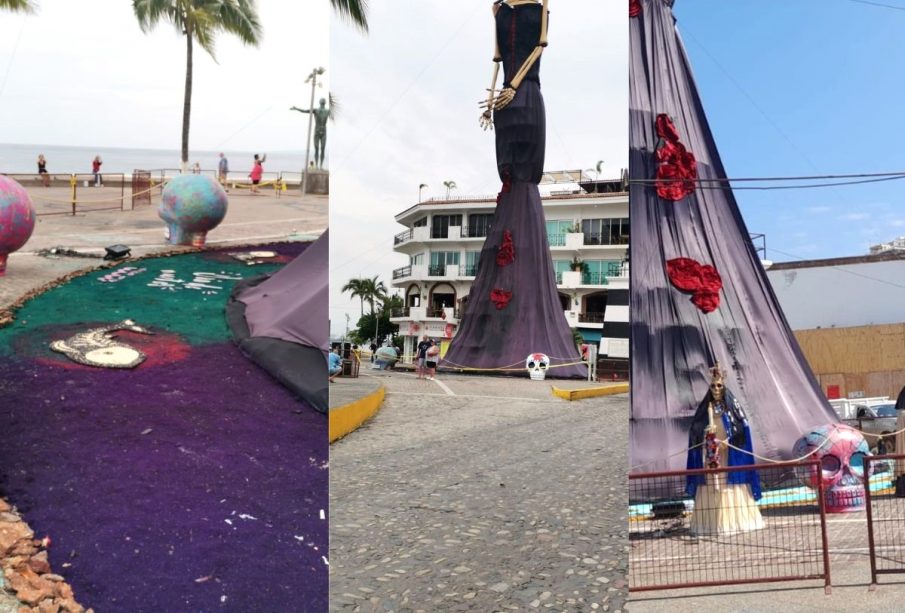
<point x="518" y="32"/>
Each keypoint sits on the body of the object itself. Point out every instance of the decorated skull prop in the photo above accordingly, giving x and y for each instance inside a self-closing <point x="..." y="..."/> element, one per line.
<point x="537" y="365"/>
<point x="841" y="450"/>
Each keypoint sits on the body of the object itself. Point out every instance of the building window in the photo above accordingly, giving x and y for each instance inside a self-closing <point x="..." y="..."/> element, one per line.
<point x="440" y="260"/>
<point x="610" y="231"/>
<point x="440" y="225"/>
<point x="559" y="267"/>
<point x="415" y="260"/>
<point x="479" y="225"/>
<point x="597" y="271"/>
<point x="472" y="259"/>
<point x="420" y="223"/>
<point x="557" y="230"/>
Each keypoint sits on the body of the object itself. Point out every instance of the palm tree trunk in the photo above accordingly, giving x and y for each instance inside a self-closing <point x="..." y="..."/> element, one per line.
<point x="187" y="107"/>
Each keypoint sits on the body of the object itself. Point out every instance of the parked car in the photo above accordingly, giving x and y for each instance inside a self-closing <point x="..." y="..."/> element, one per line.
<point x="874" y="421"/>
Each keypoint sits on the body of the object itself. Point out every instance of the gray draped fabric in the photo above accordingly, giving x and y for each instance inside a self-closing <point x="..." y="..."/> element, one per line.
<point x="280" y="322"/>
<point x="673" y="343"/>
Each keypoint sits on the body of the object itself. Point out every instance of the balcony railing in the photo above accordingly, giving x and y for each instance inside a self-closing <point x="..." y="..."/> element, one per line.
<point x="614" y="269"/>
<point x="468" y="270"/>
<point x="435" y="312"/>
<point x="405" y="271"/>
<point x="436" y="270"/>
<point x="401" y="312"/>
<point x="476" y="231"/>
<point x="598" y="238"/>
<point x="556" y="240"/>
<point x="559" y="277"/>
<point x="594" y="278"/>
<point x="590" y="318"/>
<point x="403" y="237"/>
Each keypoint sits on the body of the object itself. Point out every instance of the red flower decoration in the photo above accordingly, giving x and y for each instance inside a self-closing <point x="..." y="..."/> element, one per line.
<point x="500" y="298"/>
<point x="507" y="185"/>
<point x="506" y="253"/>
<point x="634" y="8"/>
<point x="703" y="281"/>
<point x="712" y="450"/>
<point x="677" y="168"/>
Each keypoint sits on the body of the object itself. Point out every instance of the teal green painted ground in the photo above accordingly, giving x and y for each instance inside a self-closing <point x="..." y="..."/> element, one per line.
<point x="183" y="294"/>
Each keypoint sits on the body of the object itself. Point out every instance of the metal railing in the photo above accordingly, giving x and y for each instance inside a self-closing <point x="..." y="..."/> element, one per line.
<point x="556" y="240"/>
<point x="436" y="270"/>
<point x="590" y="318"/>
<point x="475" y="232"/>
<point x="403" y="237"/>
<point x="600" y="238"/>
<point x="679" y="539"/>
<point x="468" y="270"/>
<point x="400" y="312"/>
<point x="884" y="498"/>
<point x="594" y="278"/>
<point x="405" y="271"/>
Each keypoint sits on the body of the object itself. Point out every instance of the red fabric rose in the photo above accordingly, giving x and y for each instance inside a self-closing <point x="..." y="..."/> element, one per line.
<point x="677" y="168"/>
<point x="500" y="298"/>
<point x="634" y="8"/>
<point x="703" y="281"/>
<point x="506" y="254"/>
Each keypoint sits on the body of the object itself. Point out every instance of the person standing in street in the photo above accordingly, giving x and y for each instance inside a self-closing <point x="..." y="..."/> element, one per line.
<point x="257" y="172"/>
<point x="421" y="356"/>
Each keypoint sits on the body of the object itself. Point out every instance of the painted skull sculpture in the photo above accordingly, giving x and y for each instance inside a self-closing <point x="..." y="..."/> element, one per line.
<point x="841" y="451"/>
<point x="537" y="365"/>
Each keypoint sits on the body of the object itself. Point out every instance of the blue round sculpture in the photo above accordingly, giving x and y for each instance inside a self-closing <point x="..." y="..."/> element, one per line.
<point x="192" y="205"/>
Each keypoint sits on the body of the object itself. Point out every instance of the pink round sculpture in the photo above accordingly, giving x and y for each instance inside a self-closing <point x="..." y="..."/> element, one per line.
<point x="17" y="218"/>
<point x="192" y="205"/>
<point x="841" y="450"/>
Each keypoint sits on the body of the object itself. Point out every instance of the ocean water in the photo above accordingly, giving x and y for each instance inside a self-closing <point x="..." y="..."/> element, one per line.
<point x="67" y="160"/>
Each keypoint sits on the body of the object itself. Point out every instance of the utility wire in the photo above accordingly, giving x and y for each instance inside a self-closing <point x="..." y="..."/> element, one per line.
<point x="845" y="270"/>
<point x="776" y="187"/>
<point x="880" y="4"/>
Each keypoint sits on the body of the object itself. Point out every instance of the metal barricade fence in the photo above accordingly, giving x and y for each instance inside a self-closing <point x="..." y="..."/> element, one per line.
<point x="719" y="535"/>
<point x="885" y="502"/>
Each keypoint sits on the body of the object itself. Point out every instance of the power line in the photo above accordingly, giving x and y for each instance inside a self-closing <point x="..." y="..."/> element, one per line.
<point x="880" y="4"/>
<point x="882" y="178"/>
<point x="845" y="270"/>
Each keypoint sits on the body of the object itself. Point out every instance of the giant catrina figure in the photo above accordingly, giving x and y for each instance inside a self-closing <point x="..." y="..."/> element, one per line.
<point x="699" y="293"/>
<point x="513" y="308"/>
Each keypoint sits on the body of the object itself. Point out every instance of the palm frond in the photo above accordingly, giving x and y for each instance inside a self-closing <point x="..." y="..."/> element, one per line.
<point x="355" y="11"/>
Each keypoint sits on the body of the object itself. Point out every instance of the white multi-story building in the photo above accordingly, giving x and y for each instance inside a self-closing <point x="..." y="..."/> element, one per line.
<point x="587" y="229"/>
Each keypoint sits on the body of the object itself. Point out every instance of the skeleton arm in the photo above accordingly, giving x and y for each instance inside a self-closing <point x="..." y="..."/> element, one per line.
<point x="486" y="120"/>
<point x="505" y="96"/>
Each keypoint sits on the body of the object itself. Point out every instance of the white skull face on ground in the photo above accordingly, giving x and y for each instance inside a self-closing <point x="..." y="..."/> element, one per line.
<point x="841" y="451"/>
<point x="537" y="365"/>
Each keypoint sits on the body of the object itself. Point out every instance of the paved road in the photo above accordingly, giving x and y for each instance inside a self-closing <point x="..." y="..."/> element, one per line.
<point x="481" y="494"/>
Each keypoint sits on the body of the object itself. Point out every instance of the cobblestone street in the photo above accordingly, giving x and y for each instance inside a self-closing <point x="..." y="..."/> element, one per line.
<point x="481" y="494"/>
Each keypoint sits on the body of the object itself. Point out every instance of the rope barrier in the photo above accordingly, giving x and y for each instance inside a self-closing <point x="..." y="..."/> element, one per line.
<point x="117" y="199"/>
<point x="506" y="368"/>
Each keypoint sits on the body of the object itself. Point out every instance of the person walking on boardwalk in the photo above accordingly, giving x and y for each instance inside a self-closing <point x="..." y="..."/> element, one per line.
<point x="96" y="170"/>
<point x="223" y="171"/>
<point x="257" y="171"/>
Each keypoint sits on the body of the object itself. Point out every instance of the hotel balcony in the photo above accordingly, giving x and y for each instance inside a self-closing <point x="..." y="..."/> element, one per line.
<point x="433" y="272"/>
<point x="446" y="314"/>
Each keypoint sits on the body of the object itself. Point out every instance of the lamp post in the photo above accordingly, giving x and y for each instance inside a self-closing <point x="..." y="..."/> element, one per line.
<point x="313" y="79"/>
<point x="420" y="187"/>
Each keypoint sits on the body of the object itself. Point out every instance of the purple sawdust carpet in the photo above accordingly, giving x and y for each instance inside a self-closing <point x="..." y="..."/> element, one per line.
<point x="192" y="483"/>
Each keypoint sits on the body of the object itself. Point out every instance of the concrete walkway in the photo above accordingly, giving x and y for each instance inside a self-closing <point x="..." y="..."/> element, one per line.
<point x="249" y="219"/>
<point x="480" y="494"/>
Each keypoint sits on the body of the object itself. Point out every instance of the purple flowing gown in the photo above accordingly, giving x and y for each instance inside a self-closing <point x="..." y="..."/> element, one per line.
<point x="513" y="309"/>
<point x="676" y="336"/>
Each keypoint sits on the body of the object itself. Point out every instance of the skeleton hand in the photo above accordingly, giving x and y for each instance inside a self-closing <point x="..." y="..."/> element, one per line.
<point x="503" y="98"/>
<point x="486" y="120"/>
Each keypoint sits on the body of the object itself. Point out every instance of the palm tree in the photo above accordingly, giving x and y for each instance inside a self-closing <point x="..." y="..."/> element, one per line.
<point x="449" y="185"/>
<point x="599" y="168"/>
<point x="19" y="6"/>
<point x="356" y="289"/>
<point x="373" y="290"/>
<point x="355" y="11"/>
<point x="199" y="21"/>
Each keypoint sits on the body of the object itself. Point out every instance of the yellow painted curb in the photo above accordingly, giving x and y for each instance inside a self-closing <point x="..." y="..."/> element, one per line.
<point x="346" y="419"/>
<point x="591" y="392"/>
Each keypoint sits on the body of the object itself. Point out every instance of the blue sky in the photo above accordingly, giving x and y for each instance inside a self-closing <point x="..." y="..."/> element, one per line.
<point x="804" y="87"/>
